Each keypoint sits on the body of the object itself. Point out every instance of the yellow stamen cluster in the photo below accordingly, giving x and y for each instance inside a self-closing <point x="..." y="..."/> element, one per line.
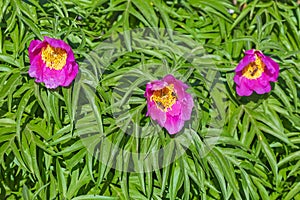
<point x="164" y="98"/>
<point x="255" y="69"/>
<point x="54" y="57"/>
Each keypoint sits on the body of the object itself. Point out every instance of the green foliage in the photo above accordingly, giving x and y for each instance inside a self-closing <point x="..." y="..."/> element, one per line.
<point x="70" y="143"/>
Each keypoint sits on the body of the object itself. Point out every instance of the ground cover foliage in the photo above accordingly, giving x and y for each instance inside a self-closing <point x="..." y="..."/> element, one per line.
<point x="51" y="141"/>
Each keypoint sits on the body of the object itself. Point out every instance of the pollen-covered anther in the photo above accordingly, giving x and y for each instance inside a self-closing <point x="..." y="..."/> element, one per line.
<point x="164" y="98"/>
<point x="254" y="69"/>
<point x="54" y="57"/>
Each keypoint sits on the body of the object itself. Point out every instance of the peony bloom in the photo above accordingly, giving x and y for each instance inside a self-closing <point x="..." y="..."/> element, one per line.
<point x="254" y="73"/>
<point x="168" y="103"/>
<point x="52" y="62"/>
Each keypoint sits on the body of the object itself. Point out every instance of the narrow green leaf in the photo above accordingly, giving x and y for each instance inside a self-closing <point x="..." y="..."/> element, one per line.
<point x="26" y="193"/>
<point x="94" y="197"/>
<point x="293" y="192"/>
<point x="71" y="149"/>
<point x="261" y="189"/>
<point x="289" y="158"/>
<point x="21" y="107"/>
<point x="270" y="156"/>
<point x="32" y="26"/>
<point x="61" y="180"/>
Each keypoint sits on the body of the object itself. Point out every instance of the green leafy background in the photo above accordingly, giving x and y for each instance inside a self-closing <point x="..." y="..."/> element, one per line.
<point x="42" y="141"/>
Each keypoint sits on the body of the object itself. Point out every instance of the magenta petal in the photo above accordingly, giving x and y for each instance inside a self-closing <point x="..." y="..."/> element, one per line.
<point x="237" y="78"/>
<point x="148" y="91"/>
<point x="157" y="115"/>
<point x="251" y="84"/>
<point x="251" y="52"/>
<point x="262" y="89"/>
<point x="70" y="73"/>
<point x="35" y="48"/>
<point x="263" y="80"/>
<point x="179" y="86"/>
<point x="187" y="107"/>
<point x="272" y="67"/>
<point x="173" y="124"/>
<point x="35" y="69"/>
<point x="57" y="43"/>
<point x="243" y="89"/>
<point x="53" y="78"/>
<point x="245" y="61"/>
<point x="176" y="109"/>
<point x="157" y="85"/>
<point x="259" y="88"/>
<point x="169" y="79"/>
<point x="255" y="85"/>
<point x="149" y="106"/>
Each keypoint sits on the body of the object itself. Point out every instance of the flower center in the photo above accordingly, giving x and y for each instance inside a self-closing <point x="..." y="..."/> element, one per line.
<point x="55" y="58"/>
<point x="164" y="98"/>
<point x="255" y="69"/>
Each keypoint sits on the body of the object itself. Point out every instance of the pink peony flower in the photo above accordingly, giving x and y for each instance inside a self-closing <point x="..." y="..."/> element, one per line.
<point x="168" y="103"/>
<point x="52" y="62"/>
<point x="254" y="73"/>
